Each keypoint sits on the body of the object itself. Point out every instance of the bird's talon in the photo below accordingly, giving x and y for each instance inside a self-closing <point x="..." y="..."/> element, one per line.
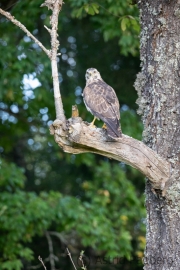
<point x="104" y="126"/>
<point x="92" y="125"/>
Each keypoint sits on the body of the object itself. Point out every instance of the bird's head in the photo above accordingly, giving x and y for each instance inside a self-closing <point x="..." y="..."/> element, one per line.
<point x="92" y="75"/>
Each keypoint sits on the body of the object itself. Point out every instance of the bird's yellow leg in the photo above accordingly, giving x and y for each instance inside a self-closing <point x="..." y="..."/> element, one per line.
<point x="104" y="126"/>
<point x="92" y="123"/>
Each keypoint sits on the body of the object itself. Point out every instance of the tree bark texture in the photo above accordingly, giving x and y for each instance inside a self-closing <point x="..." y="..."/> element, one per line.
<point x="158" y="86"/>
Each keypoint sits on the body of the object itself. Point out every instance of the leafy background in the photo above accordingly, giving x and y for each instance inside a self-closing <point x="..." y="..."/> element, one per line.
<point x="50" y="198"/>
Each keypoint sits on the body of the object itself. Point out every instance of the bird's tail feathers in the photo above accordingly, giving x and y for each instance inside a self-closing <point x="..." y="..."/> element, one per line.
<point x="113" y="129"/>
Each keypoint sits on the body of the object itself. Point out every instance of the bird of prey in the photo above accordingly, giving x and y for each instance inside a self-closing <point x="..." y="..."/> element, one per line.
<point x="101" y="100"/>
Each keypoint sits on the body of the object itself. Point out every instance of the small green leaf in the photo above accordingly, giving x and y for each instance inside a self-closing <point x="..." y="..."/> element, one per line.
<point x="86" y="8"/>
<point x="123" y="24"/>
<point x="95" y="7"/>
<point x="130" y="17"/>
<point x="89" y="9"/>
<point x="79" y="12"/>
<point x="135" y="25"/>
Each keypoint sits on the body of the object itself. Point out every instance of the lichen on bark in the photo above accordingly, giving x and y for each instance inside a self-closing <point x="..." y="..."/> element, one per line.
<point x="159" y="102"/>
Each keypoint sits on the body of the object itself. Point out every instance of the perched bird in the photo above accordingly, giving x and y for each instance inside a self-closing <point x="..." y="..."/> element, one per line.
<point x="101" y="100"/>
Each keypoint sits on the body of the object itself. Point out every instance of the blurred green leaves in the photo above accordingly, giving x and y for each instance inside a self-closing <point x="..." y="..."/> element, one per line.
<point x="110" y="203"/>
<point x="91" y="9"/>
<point x="88" y="200"/>
<point x="108" y="15"/>
<point x="129" y="22"/>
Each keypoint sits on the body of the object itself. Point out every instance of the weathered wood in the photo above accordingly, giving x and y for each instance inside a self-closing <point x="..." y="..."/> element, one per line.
<point x="77" y="137"/>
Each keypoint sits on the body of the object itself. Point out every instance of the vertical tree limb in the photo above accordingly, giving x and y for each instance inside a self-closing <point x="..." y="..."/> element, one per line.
<point x="159" y="99"/>
<point x="51" y="252"/>
<point x="55" y="6"/>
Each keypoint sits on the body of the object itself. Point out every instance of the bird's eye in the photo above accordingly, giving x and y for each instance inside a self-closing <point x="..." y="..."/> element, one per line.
<point x="94" y="71"/>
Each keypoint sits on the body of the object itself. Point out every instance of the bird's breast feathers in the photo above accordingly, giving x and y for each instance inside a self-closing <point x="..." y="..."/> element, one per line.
<point x="101" y="98"/>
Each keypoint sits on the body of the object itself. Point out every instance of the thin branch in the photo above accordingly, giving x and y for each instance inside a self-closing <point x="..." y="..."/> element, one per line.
<point x="38" y="265"/>
<point x="40" y="259"/>
<point x="55" y="6"/>
<point x="81" y="259"/>
<point x="45" y="260"/>
<point x="51" y="253"/>
<point x="22" y="27"/>
<point x="59" y="236"/>
<point x="11" y="5"/>
<point x="69" y="254"/>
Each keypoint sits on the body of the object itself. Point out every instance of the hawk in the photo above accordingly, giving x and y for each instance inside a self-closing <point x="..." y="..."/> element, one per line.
<point x="101" y="100"/>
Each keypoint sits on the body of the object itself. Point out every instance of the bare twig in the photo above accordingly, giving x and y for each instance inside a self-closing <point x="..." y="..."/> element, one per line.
<point x="69" y="254"/>
<point x="81" y="259"/>
<point x="22" y="27"/>
<point x="40" y="259"/>
<point x="51" y="253"/>
<point x="45" y="260"/>
<point x="55" y="6"/>
<point x="38" y="265"/>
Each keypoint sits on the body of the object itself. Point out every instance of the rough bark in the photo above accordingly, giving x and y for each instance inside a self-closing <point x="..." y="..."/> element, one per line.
<point x="158" y="86"/>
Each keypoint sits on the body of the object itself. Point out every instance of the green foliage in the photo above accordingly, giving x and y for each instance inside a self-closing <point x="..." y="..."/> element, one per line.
<point x="91" y="9"/>
<point x="129" y="22"/>
<point x="114" y="207"/>
<point x="108" y="15"/>
<point x="11" y="176"/>
<point x="130" y="124"/>
<point x="88" y="199"/>
<point x="23" y="215"/>
<point x="110" y="201"/>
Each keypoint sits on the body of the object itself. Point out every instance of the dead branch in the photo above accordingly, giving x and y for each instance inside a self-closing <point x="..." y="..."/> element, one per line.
<point x="22" y="27"/>
<point x="51" y="252"/>
<point x="55" y="6"/>
<point x="40" y="259"/>
<point x="75" y="136"/>
<point x="69" y="254"/>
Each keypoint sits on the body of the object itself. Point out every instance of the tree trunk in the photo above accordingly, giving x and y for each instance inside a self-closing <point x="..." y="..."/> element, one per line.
<point x="158" y="86"/>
